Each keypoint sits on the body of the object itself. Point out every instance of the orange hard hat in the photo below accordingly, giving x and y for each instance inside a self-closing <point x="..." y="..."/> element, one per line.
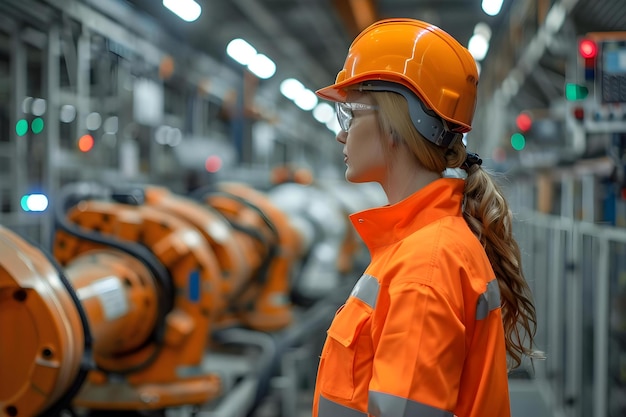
<point x="419" y="56"/>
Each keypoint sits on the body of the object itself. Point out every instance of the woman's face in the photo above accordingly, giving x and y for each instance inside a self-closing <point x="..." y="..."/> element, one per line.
<point x="363" y="149"/>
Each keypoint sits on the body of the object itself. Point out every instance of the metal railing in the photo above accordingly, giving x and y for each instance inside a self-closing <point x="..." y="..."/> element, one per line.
<point x="577" y="272"/>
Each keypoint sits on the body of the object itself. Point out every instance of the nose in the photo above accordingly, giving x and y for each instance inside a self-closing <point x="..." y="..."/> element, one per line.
<point x="341" y="137"/>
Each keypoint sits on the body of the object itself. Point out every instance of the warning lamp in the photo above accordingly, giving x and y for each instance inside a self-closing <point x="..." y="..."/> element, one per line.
<point x="587" y="48"/>
<point x="21" y="127"/>
<point x="85" y="143"/>
<point x="34" y="202"/>
<point x="579" y="113"/>
<point x="588" y="51"/>
<point x="518" y="141"/>
<point x="524" y="122"/>
<point x="37" y="125"/>
<point x="575" y="92"/>
<point x="213" y="164"/>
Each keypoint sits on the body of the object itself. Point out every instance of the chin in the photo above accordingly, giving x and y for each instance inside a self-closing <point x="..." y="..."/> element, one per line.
<point x="354" y="179"/>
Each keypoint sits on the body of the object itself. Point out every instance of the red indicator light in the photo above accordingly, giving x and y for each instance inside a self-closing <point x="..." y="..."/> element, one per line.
<point x="213" y="164"/>
<point x="579" y="113"/>
<point x="587" y="48"/>
<point x="524" y="122"/>
<point x="85" y="143"/>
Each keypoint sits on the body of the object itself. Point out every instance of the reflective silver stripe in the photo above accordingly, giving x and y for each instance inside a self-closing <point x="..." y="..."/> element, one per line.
<point x="366" y="290"/>
<point x="328" y="408"/>
<point x="386" y="405"/>
<point x="489" y="300"/>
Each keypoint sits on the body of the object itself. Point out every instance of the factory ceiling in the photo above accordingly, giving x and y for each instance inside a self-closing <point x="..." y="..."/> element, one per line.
<point x="309" y="39"/>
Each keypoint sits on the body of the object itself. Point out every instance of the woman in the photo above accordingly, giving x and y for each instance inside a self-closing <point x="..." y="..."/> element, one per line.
<point x="427" y="329"/>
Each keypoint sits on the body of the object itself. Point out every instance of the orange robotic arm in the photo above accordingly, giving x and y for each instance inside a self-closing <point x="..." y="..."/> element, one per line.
<point x="156" y="273"/>
<point x="46" y="341"/>
<point x="154" y="357"/>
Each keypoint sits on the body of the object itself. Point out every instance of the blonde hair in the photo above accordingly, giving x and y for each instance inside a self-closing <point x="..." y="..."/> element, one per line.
<point x="487" y="215"/>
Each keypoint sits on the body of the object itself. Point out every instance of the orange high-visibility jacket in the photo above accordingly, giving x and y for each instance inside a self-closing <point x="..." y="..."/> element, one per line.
<point x="421" y="334"/>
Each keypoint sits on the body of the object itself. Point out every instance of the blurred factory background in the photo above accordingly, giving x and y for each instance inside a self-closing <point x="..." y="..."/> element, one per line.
<point x="173" y="213"/>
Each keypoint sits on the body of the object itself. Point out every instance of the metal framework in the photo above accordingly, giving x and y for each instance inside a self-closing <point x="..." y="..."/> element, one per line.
<point x="576" y="270"/>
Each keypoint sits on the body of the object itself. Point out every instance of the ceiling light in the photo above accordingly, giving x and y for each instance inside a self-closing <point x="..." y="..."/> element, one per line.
<point x="483" y="29"/>
<point x="478" y="47"/>
<point x="244" y="53"/>
<point x="323" y="112"/>
<point x="188" y="10"/>
<point x="262" y="66"/>
<point x="290" y="88"/>
<point x="241" y="51"/>
<point x="306" y="100"/>
<point x="492" y="7"/>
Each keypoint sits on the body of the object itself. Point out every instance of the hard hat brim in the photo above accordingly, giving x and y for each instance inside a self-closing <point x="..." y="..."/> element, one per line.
<point x="334" y="92"/>
<point x="339" y="90"/>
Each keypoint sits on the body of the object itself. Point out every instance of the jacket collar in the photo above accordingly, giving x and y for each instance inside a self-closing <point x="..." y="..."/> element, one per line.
<point x="388" y="224"/>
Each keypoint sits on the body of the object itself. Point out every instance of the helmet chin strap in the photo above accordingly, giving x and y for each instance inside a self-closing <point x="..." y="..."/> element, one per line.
<point x="427" y="123"/>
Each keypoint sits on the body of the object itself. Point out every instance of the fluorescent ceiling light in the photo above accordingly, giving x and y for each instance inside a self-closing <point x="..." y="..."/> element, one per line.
<point x="241" y="51"/>
<point x="492" y="7"/>
<point x="188" y="10"/>
<point x="290" y="88"/>
<point x="324" y="113"/>
<point x="478" y="47"/>
<point x="244" y="53"/>
<point x="306" y="100"/>
<point x="483" y="29"/>
<point x="262" y="66"/>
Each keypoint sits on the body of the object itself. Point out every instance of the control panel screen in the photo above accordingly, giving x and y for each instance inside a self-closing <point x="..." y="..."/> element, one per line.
<point x="613" y="77"/>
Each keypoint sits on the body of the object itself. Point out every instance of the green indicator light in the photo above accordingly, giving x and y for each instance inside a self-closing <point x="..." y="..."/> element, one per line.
<point x="37" y="125"/>
<point x="518" y="141"/>
<point x="21" y="127"/>
<point x="575" y="92"/>
<point x="24" y="202"/>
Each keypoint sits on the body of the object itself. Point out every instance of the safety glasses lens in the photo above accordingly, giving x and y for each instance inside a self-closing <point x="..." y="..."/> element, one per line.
<point x="344" y="115"/>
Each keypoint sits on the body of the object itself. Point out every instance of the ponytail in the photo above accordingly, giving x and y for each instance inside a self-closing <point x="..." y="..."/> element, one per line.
<point x="489" y="217"/>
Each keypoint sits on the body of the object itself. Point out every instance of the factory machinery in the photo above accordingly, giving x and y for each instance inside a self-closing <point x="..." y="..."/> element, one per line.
<point x="152" y="303"/>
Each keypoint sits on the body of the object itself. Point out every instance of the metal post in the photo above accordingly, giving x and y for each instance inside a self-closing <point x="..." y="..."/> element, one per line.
<point x="18" y="167"/>
<point x="601" y="331"/>
<point x="83" y="54"/>
<point x="567" y="198"/>
<point x="588" y="197"/>
<point x="51" y="182"/>
<point x="539" y="285"/>
<point x="573" y="305"/>
<point x="556" y="319"/>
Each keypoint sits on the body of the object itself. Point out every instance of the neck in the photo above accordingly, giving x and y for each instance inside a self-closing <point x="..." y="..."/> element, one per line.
<point x="398" y="190"/>
<point x="405" y="177"/>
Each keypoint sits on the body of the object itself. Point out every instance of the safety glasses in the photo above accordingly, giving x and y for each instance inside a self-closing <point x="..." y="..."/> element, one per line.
<point x="345" y="112"/>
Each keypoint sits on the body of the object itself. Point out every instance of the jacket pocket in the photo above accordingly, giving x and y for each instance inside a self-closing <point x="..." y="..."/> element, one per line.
<point x="342" y="346"/>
